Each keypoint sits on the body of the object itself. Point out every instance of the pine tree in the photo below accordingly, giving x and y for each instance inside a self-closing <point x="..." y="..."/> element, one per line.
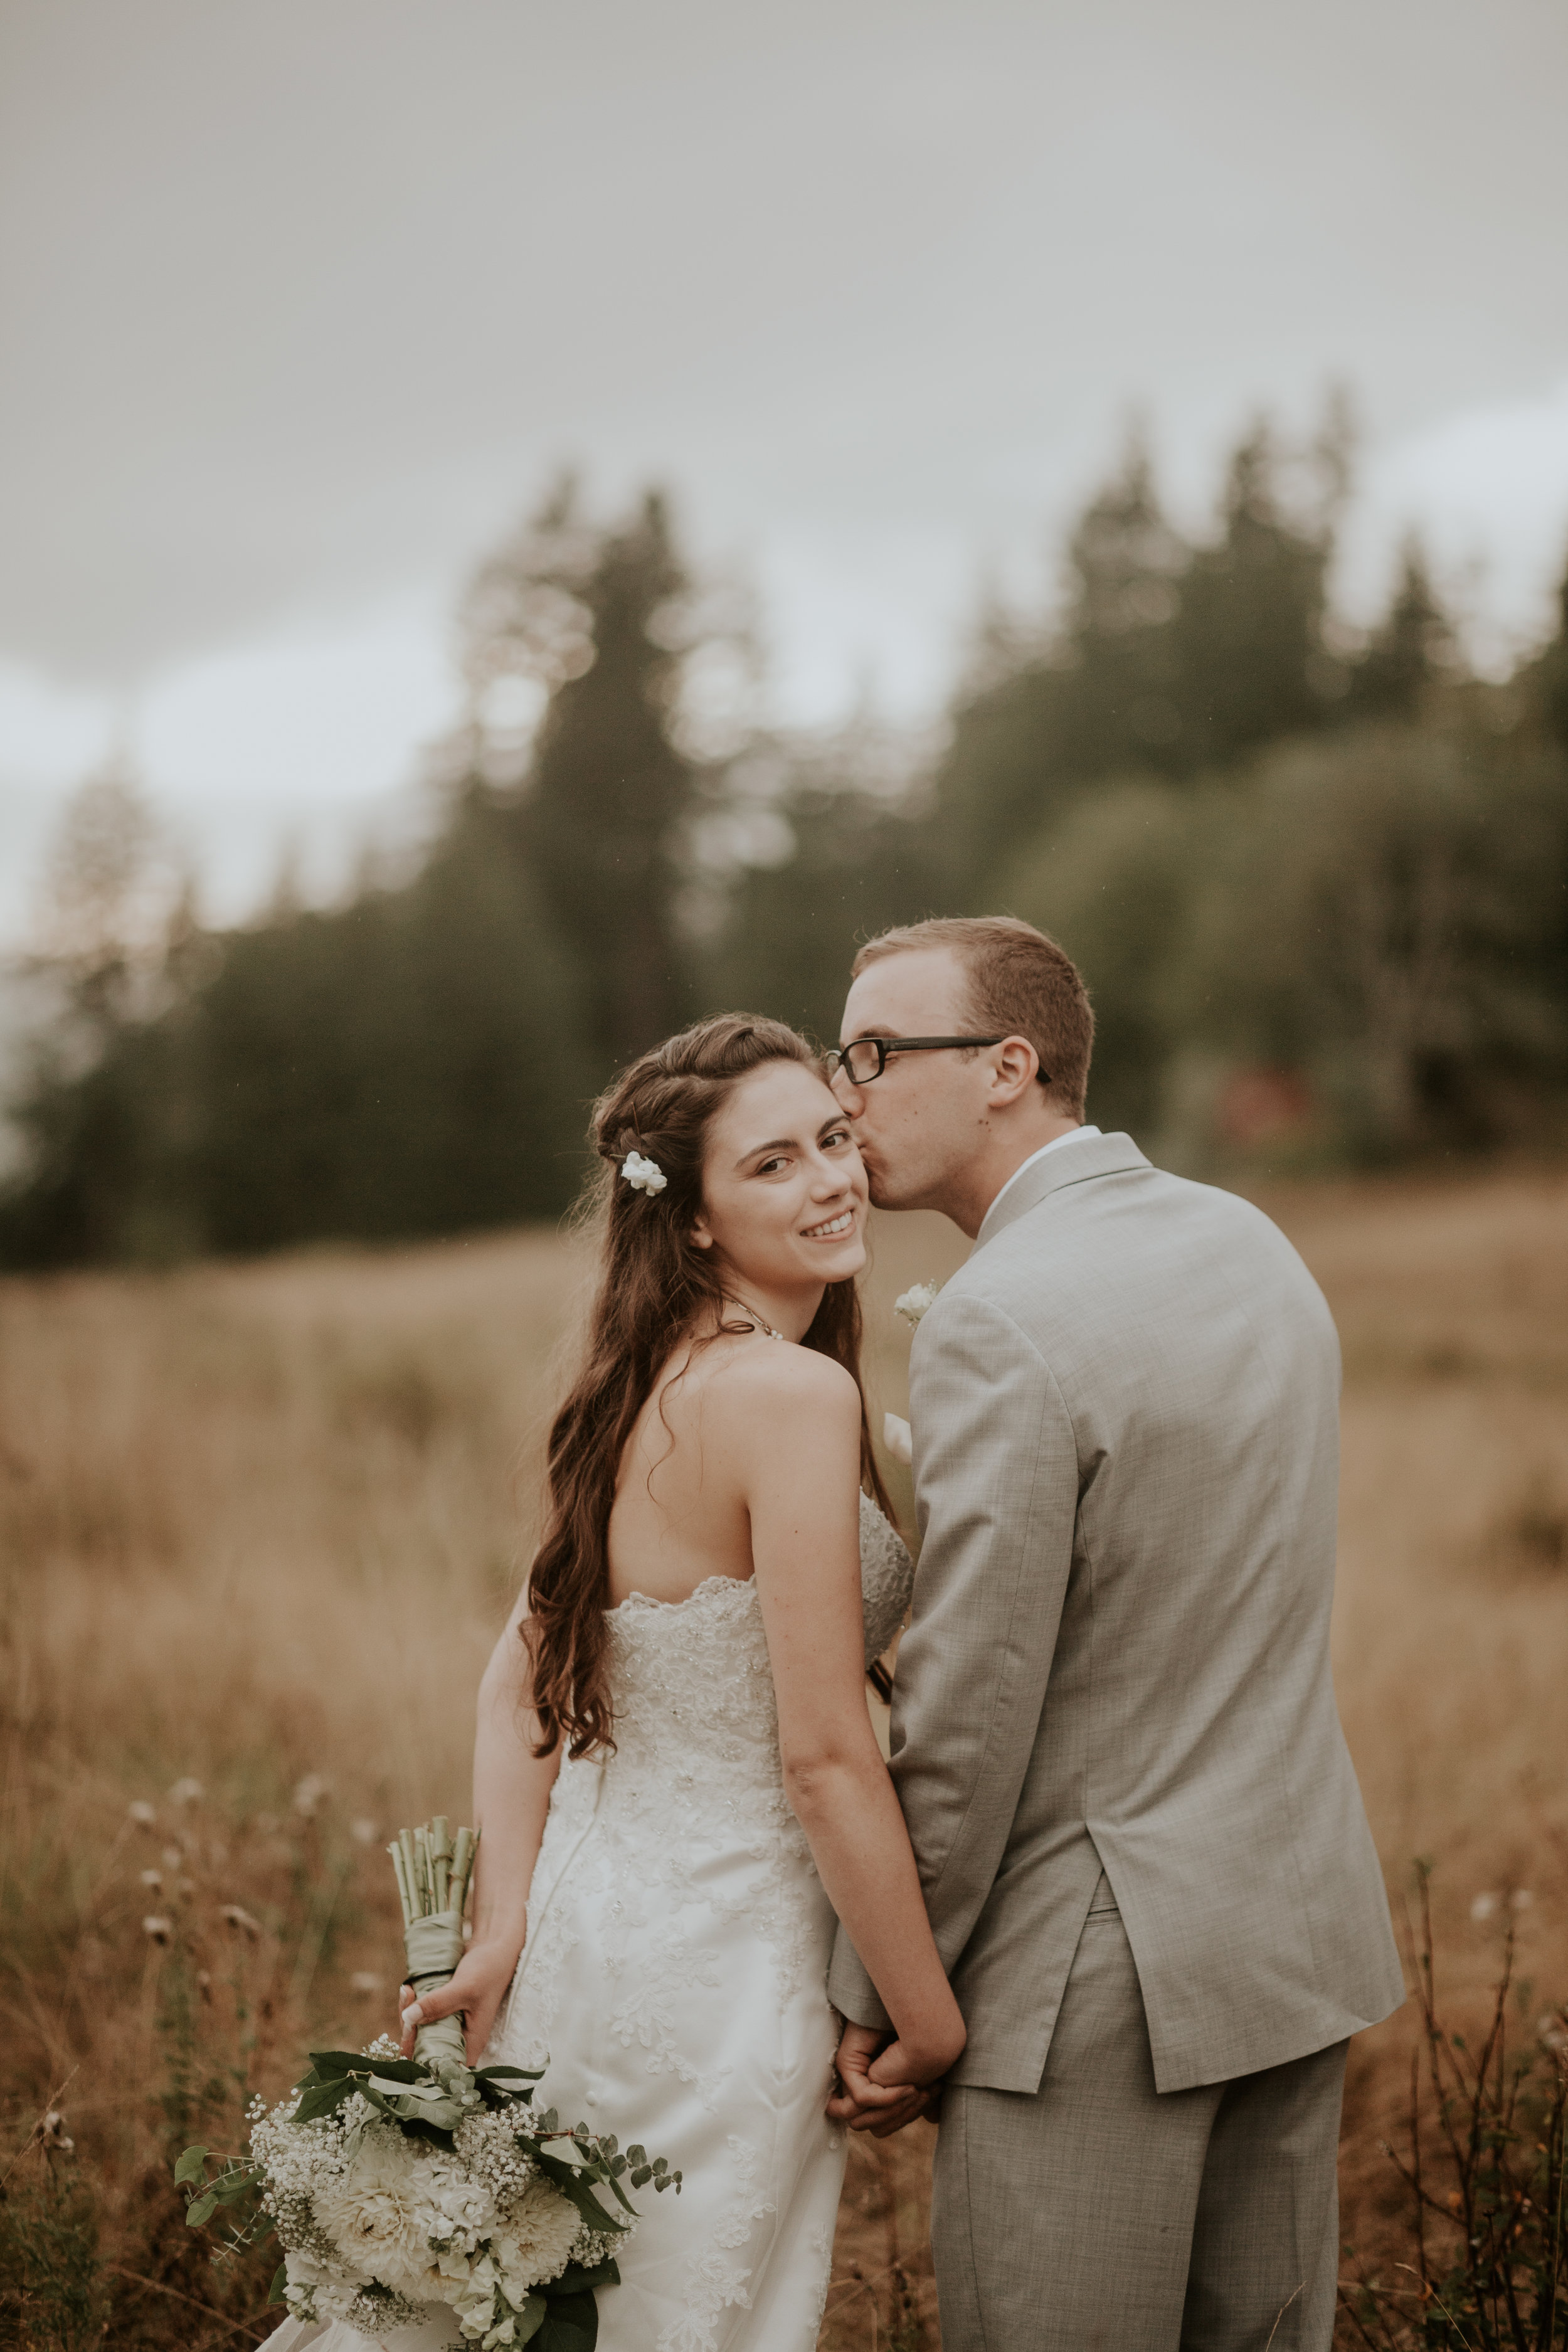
<point x="1247" y="636"/>
<point x="1412" y="648"/>
<point x="1050" y="713"/>
<point x="1123" y="692"/>
<point x="596" y="619"/>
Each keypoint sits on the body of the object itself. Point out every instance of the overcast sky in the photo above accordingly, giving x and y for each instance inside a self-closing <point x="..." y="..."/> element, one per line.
<point x="304" y="299"/>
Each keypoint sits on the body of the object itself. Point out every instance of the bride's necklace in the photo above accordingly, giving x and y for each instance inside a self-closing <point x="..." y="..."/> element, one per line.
<point x="760" y="1321"/>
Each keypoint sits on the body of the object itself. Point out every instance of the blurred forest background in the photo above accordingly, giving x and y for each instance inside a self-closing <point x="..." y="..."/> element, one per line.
<point x="1317" y="879"/>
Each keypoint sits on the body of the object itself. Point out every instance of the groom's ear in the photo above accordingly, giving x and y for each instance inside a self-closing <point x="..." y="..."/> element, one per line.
<point x="699" y="1233"/>
<point x="1015" y="1061"/>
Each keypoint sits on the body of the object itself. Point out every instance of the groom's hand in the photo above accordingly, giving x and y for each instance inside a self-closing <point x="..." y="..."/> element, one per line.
<point x="863" y="2103"/>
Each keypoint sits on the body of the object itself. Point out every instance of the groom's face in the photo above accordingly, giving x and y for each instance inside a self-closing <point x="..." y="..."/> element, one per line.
<point x="923" y="1118"/>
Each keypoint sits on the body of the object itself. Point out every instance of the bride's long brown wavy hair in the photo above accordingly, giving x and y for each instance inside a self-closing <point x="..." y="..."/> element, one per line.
<point x="653" y="1285"/>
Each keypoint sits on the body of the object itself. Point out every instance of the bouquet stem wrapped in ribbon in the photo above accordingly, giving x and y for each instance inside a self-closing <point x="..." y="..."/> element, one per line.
<point x="433" y="1874"/>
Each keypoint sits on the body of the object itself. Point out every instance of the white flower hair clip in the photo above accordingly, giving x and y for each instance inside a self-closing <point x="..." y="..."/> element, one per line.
<point x="643" y="1175"/>
<point x="917" y="1302"/>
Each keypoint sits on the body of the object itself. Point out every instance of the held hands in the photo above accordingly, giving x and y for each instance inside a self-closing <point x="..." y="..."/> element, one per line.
<point x="883" y="2085"/>
<point x="477" y="1987"/>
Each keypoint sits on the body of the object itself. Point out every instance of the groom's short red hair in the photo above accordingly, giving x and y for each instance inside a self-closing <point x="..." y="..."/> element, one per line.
<point x="1021" y="984"/>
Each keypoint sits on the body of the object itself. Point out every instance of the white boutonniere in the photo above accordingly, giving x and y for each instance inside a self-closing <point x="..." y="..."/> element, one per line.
<point x="916" y="1303"/>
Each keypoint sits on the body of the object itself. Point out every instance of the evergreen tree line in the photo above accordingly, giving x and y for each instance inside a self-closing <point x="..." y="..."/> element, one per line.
<point x="1317" y="880"/>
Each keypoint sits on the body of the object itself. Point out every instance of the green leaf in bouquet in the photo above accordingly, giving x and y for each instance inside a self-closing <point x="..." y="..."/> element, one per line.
<point x="530" y="2319"/>
<point x="636" y="2154"/>
<point x="396" y="2069"/>
<point x="402" y="2087"/>
<point x="330" y="2063"/>
<point x="279" y="2281"/>
<point x="578" y="2192"/>
<point x="577" y="2278"/>
<point x="323" y="2098"/>
<point x="439" y="2115"/>
<point x="641" y="2175"/>
<point x="200" y="2210"/>
<point x="571" y="2325"/>
<point x="191" y="2166"/>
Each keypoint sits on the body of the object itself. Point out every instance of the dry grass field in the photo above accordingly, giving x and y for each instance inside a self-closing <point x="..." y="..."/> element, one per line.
<point x="259" y="1525"/>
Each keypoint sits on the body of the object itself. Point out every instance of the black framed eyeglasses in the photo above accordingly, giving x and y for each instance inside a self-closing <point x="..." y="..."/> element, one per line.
<point x="865" y="1059"/>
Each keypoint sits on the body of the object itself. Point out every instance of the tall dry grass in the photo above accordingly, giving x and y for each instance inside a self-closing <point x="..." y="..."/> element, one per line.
<point x="258" y="1525"/>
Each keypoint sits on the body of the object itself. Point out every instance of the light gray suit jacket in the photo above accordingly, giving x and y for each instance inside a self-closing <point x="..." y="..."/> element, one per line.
<point x="1125" y="1409"/>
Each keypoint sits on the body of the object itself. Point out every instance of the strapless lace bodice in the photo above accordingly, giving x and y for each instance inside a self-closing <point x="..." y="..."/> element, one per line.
<point x="886" y="1578"/>
<point x="693" y="1692"/>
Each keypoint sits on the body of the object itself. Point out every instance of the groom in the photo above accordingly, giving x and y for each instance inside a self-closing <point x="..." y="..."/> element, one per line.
<point x="1115" y="1739"/>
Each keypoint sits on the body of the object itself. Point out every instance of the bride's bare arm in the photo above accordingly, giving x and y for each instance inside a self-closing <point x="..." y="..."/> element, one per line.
<point x="801" y="1479"/>
<point x="512" y="1798"/>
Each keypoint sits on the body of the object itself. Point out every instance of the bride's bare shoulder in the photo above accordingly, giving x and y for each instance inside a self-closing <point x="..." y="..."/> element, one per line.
<point x="776" y="1378"/>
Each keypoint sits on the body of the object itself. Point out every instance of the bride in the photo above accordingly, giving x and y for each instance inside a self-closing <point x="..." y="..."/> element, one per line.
<point x="674" y="1770"/>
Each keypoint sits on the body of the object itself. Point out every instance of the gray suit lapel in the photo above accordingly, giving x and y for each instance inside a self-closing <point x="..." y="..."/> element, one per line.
<point x="1075" y="1163"/>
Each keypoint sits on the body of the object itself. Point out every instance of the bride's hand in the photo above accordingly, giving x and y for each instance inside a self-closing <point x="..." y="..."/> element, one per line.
<point x="866" y="2104"/>
<point x="900" y="2067"/>
<point x="477" y="1987"/>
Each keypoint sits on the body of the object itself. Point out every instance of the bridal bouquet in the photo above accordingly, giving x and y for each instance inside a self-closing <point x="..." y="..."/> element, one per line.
<point x="395" y="2182"/>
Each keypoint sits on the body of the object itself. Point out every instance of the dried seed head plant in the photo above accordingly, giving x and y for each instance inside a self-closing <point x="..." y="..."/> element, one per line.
<point x="228" y="1495"/>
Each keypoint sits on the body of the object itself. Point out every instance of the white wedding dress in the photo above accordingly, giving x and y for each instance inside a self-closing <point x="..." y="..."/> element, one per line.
<point x="673" y="1985"/>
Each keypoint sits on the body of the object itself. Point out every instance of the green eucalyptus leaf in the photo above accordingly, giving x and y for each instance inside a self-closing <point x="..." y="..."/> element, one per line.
<point x="530" y="2318"/>
<point x="279" y="2281"/>
<point x="576" y="2190"/>
<point x="200" y="2210"/>
<point x="191" y="2166"/>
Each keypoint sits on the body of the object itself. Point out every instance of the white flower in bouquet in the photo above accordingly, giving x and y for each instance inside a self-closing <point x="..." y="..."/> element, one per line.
<point x="537" y="2238"/>
<point x="916" y="1302"/>
<point x="374" y="2212"/>
<point x="317" y="2286"/>
<point x="454" y="2212"/>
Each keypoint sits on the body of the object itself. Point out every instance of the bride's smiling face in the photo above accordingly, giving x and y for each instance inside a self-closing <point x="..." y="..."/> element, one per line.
<point x="784" y="1190"/>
